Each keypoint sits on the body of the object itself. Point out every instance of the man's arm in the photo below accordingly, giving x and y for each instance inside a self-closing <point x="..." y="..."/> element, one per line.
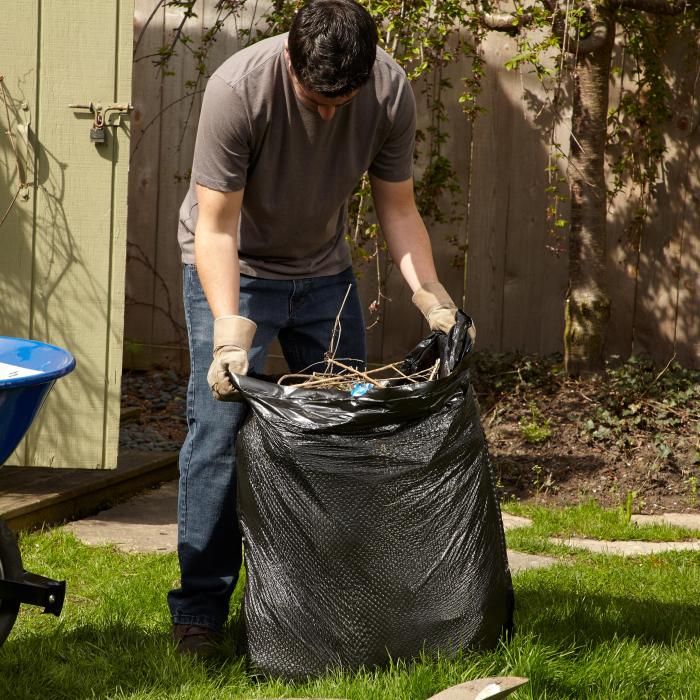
<point x="216" y="258"/>
<point x="409" y="247"/>
<point x="404" y="230"/>
<point x="216" y="248"/>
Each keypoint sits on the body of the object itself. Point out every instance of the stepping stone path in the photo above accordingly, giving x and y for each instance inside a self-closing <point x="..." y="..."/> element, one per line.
<point x="145" y="523"/>
<point x="691" y="521"/>
<point x="519" y="561"/>
<point x="513" y="521"/>
<point x="148" y="523"/>
<point x="626" y="549"/>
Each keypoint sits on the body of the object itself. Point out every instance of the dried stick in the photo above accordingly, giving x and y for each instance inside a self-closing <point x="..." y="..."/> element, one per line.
<point x="285" y="377"/>
<point x="396" y="369"/>
<point x="337" y="328"/>
<point x="346" y="379"/>
<point x="352" y="370"/>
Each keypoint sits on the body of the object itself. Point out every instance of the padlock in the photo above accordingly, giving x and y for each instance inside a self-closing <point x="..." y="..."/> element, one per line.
<point x="98" y="134"/>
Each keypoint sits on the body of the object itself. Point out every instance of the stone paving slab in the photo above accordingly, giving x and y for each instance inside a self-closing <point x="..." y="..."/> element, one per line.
<point x="628" y="548"/>
<point x="145" y="523"/>
<point x="513" y="521"/>
<point x="519" y="561"/>
<point x="691" y="521"/>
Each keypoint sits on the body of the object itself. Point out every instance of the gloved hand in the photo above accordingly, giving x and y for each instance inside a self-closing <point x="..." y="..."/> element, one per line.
<point x="233" y="337"/>
<point x="436" y="305"/>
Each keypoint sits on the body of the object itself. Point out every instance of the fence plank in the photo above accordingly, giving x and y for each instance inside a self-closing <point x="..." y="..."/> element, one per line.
<point x="446" y="238"/>
<point x="623" y="242"/>
<point x="686" y="130"/>
<point x="535" y="279"/>
<point x="178" y="129"/>
<point x="144" y="183"/>
<point x="666" y="318"/>
<point x="403" y="325"/>
<point x="367" y="284"/>
<point x="490" y="193"/>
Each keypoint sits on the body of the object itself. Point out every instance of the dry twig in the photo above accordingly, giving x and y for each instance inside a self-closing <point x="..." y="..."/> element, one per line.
<point x="349" y="377"/>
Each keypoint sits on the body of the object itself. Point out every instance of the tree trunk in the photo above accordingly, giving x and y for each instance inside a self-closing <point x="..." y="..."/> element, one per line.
<point x="587" y="309"/>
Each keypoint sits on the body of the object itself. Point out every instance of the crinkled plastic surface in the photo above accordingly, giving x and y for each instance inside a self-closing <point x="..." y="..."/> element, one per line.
<point x="371" y="524"/>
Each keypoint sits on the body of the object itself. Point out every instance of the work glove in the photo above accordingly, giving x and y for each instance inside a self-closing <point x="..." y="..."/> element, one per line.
<point x="437" y="306"/>
<point x="233" y="337"/>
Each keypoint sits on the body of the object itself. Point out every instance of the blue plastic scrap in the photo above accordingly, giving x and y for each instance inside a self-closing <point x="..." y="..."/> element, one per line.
<point x="360" y="389"/>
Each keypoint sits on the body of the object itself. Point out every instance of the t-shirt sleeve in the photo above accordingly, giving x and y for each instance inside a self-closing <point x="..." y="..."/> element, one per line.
<point x="222" y="148"/>
<point x="394" y="161"/>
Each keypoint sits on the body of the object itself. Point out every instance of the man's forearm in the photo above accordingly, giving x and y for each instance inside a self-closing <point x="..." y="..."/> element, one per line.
<point x="404" y="231"/>
<point x="216" y="258"/>
<point x="409" y="247"/>
<point x="216" y="249"/>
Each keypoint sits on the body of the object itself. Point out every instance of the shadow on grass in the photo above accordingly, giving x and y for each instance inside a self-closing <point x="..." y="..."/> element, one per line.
<point x="571" y="613"/>
<point x="107" y="660"/>
<point x="116" y="659"/>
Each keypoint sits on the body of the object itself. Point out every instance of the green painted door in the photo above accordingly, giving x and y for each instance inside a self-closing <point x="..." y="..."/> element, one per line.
<point x="63" y="199"/>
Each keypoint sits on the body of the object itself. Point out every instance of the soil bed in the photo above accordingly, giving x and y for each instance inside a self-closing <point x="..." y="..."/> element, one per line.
<point x="631" y="439"/>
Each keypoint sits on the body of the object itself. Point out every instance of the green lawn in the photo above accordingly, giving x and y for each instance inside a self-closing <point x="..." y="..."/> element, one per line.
<point x="597" y="627"/>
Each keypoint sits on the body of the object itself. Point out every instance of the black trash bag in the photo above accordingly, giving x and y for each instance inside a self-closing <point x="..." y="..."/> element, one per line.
<point x="371" y="525"/>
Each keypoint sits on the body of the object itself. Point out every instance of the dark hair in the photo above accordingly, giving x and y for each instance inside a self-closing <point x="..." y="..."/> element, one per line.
<point x="332" y="46"/>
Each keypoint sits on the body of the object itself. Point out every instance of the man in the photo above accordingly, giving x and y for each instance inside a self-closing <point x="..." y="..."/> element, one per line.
<point x="287" y="128"/>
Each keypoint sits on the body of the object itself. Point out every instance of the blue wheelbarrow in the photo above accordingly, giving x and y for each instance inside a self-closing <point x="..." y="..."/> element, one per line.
<point x="28" y="370"/>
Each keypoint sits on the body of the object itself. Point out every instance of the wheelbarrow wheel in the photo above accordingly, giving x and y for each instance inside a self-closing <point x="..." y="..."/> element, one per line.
<point x="10" y="567"/>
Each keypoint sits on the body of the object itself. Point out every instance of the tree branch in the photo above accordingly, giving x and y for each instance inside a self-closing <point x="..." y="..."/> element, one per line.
<point x="504" y="21"/>
<point x="657" y="7"/>
<point x="512" y="23"/>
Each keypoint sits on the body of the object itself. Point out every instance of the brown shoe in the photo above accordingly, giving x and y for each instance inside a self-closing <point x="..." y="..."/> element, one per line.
<point x="195" y="640"/>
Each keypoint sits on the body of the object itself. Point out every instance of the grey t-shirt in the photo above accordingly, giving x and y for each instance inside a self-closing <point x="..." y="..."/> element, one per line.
<point x="297" y="169"/>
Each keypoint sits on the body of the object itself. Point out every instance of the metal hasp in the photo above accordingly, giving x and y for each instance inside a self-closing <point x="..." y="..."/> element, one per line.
<point x="98" y="130"/>
<point x="33" y="589"/>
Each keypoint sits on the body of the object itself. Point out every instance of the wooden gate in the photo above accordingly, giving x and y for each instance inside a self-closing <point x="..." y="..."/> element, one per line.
<point x="63" y="198"/>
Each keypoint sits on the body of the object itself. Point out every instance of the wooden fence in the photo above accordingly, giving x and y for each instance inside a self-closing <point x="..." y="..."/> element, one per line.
<point x="514" y="282"/>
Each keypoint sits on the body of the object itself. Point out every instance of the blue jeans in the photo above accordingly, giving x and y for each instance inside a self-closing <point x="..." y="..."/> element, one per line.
<point x="301" y="313"/>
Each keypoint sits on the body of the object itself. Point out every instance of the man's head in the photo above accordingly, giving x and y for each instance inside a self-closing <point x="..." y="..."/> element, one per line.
<point x="332" y="47"/>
